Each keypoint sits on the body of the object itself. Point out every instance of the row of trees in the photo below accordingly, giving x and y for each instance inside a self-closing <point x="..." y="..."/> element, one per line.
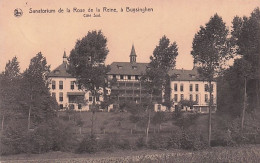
<point x="28" y="112"/>
<point x="25" y="97"/>
<point x="213" y="46"/>
<point x="26" y="94"/>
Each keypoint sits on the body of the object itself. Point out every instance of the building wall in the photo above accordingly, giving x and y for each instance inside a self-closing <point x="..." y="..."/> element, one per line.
<point x="67" y="88"/>
<point x="129" y="88"/>
<point x="185" y="94"/>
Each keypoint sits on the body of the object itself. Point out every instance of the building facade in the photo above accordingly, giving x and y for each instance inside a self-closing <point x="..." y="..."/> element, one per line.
<point x="67" y="92"/>
<point x="186" y="85"/>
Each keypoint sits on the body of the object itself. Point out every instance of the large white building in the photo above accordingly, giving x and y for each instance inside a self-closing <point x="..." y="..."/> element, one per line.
<point x="68" y="94"/>
<point x="187" y="85"/>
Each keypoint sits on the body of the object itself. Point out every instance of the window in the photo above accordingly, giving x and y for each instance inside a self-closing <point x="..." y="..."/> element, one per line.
<point x="159" y="107"/>
<point x="181" y="87"/>
<point x="175" y="87"/>
<point x="53" y="94"/>
<point x="182" y="97"/>
<point x="134" y="67"/>
<point x="206" y="88"/>
<point x="119" y="67"/>
<point x="121" y="77"/>
<point x="61" y="106"/>
<point x="114" y="76"/>
<point x="72" y="85"/>
<point x="53" y="84"/>
<point x="136" y="77"/>
<point x="212" y="98"/>
<point x="71" y="106"/>
<point x="79" y="86"/>
<point x="212" y="87"/>
<point x="129" y="77"/>
<point x="191" y="87"/>
<point x="197" y="98"/>
<point x="191" y="97"/>
<point x="60" y="84"/>
<point x="61" y="96"/>
<point x="97" y="98"/>
<point x="197" y="87"/>
<point x="79" y="106"/>
<point x="175" y="97"/>
<point x="206" y="98"/>
<point x="90" y="98"/>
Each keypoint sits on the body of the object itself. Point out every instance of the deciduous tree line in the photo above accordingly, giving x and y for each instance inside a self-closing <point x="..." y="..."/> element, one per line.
<point x="26" y="101"/>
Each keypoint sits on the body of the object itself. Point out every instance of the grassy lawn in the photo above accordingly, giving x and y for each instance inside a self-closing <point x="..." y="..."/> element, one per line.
<point x="119" y="123"/>
<point x="249" y="153"/>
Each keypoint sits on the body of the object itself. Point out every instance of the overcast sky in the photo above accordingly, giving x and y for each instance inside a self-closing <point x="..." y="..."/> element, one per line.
<point x="53" y="33"/>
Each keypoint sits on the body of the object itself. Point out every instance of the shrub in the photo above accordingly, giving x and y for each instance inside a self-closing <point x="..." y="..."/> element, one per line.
<point x="108" y="143"/>
<point x="12" y="140"/>
<point x="112" y="142"/>
<point x="88" y="145"/>
<point x="227" y="132"/>
<point x="140" y="143"/>
<point x="157" y="141"/>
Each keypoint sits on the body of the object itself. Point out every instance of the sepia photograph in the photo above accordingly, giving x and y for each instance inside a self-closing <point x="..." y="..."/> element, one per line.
<point x="131" y="81"/>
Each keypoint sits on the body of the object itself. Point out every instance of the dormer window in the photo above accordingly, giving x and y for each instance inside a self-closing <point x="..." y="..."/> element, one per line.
<point x="177" y="75"/>
<point x="192" y="76"/>
<point x="148" y="68"/>
<point x="134" y="67"/>
<point x="119" y="67"/>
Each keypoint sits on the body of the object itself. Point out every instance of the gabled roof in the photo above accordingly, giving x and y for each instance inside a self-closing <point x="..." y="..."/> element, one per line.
<point x="185" y="75"/>
<point x="60" y="71"/>
<point x="127" y="68"/>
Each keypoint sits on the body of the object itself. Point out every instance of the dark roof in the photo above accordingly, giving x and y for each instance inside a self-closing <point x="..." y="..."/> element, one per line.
<point x="127" y="68"/>
<point x="185" y="75"/>
<point x="60" y="71"/>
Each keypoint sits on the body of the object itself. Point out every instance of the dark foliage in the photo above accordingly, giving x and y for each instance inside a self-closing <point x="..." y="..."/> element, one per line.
<point x="89" y="144"/>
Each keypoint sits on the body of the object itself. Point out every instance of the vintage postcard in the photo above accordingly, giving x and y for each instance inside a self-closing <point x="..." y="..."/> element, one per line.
<point x="129" y="80"/>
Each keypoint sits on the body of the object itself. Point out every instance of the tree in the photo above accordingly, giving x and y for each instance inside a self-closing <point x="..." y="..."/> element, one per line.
<point x="155" y="77"/>
<point x="41" y="106"/>
<point x="210" y="50"/>
<point x="164" y="58"/>
<point x="9" y="90"/>
<point x="86" y="63"/>
<point x="188" y="103"/>
<point x="158" y="118"/>
<point x="246" y="43"/>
